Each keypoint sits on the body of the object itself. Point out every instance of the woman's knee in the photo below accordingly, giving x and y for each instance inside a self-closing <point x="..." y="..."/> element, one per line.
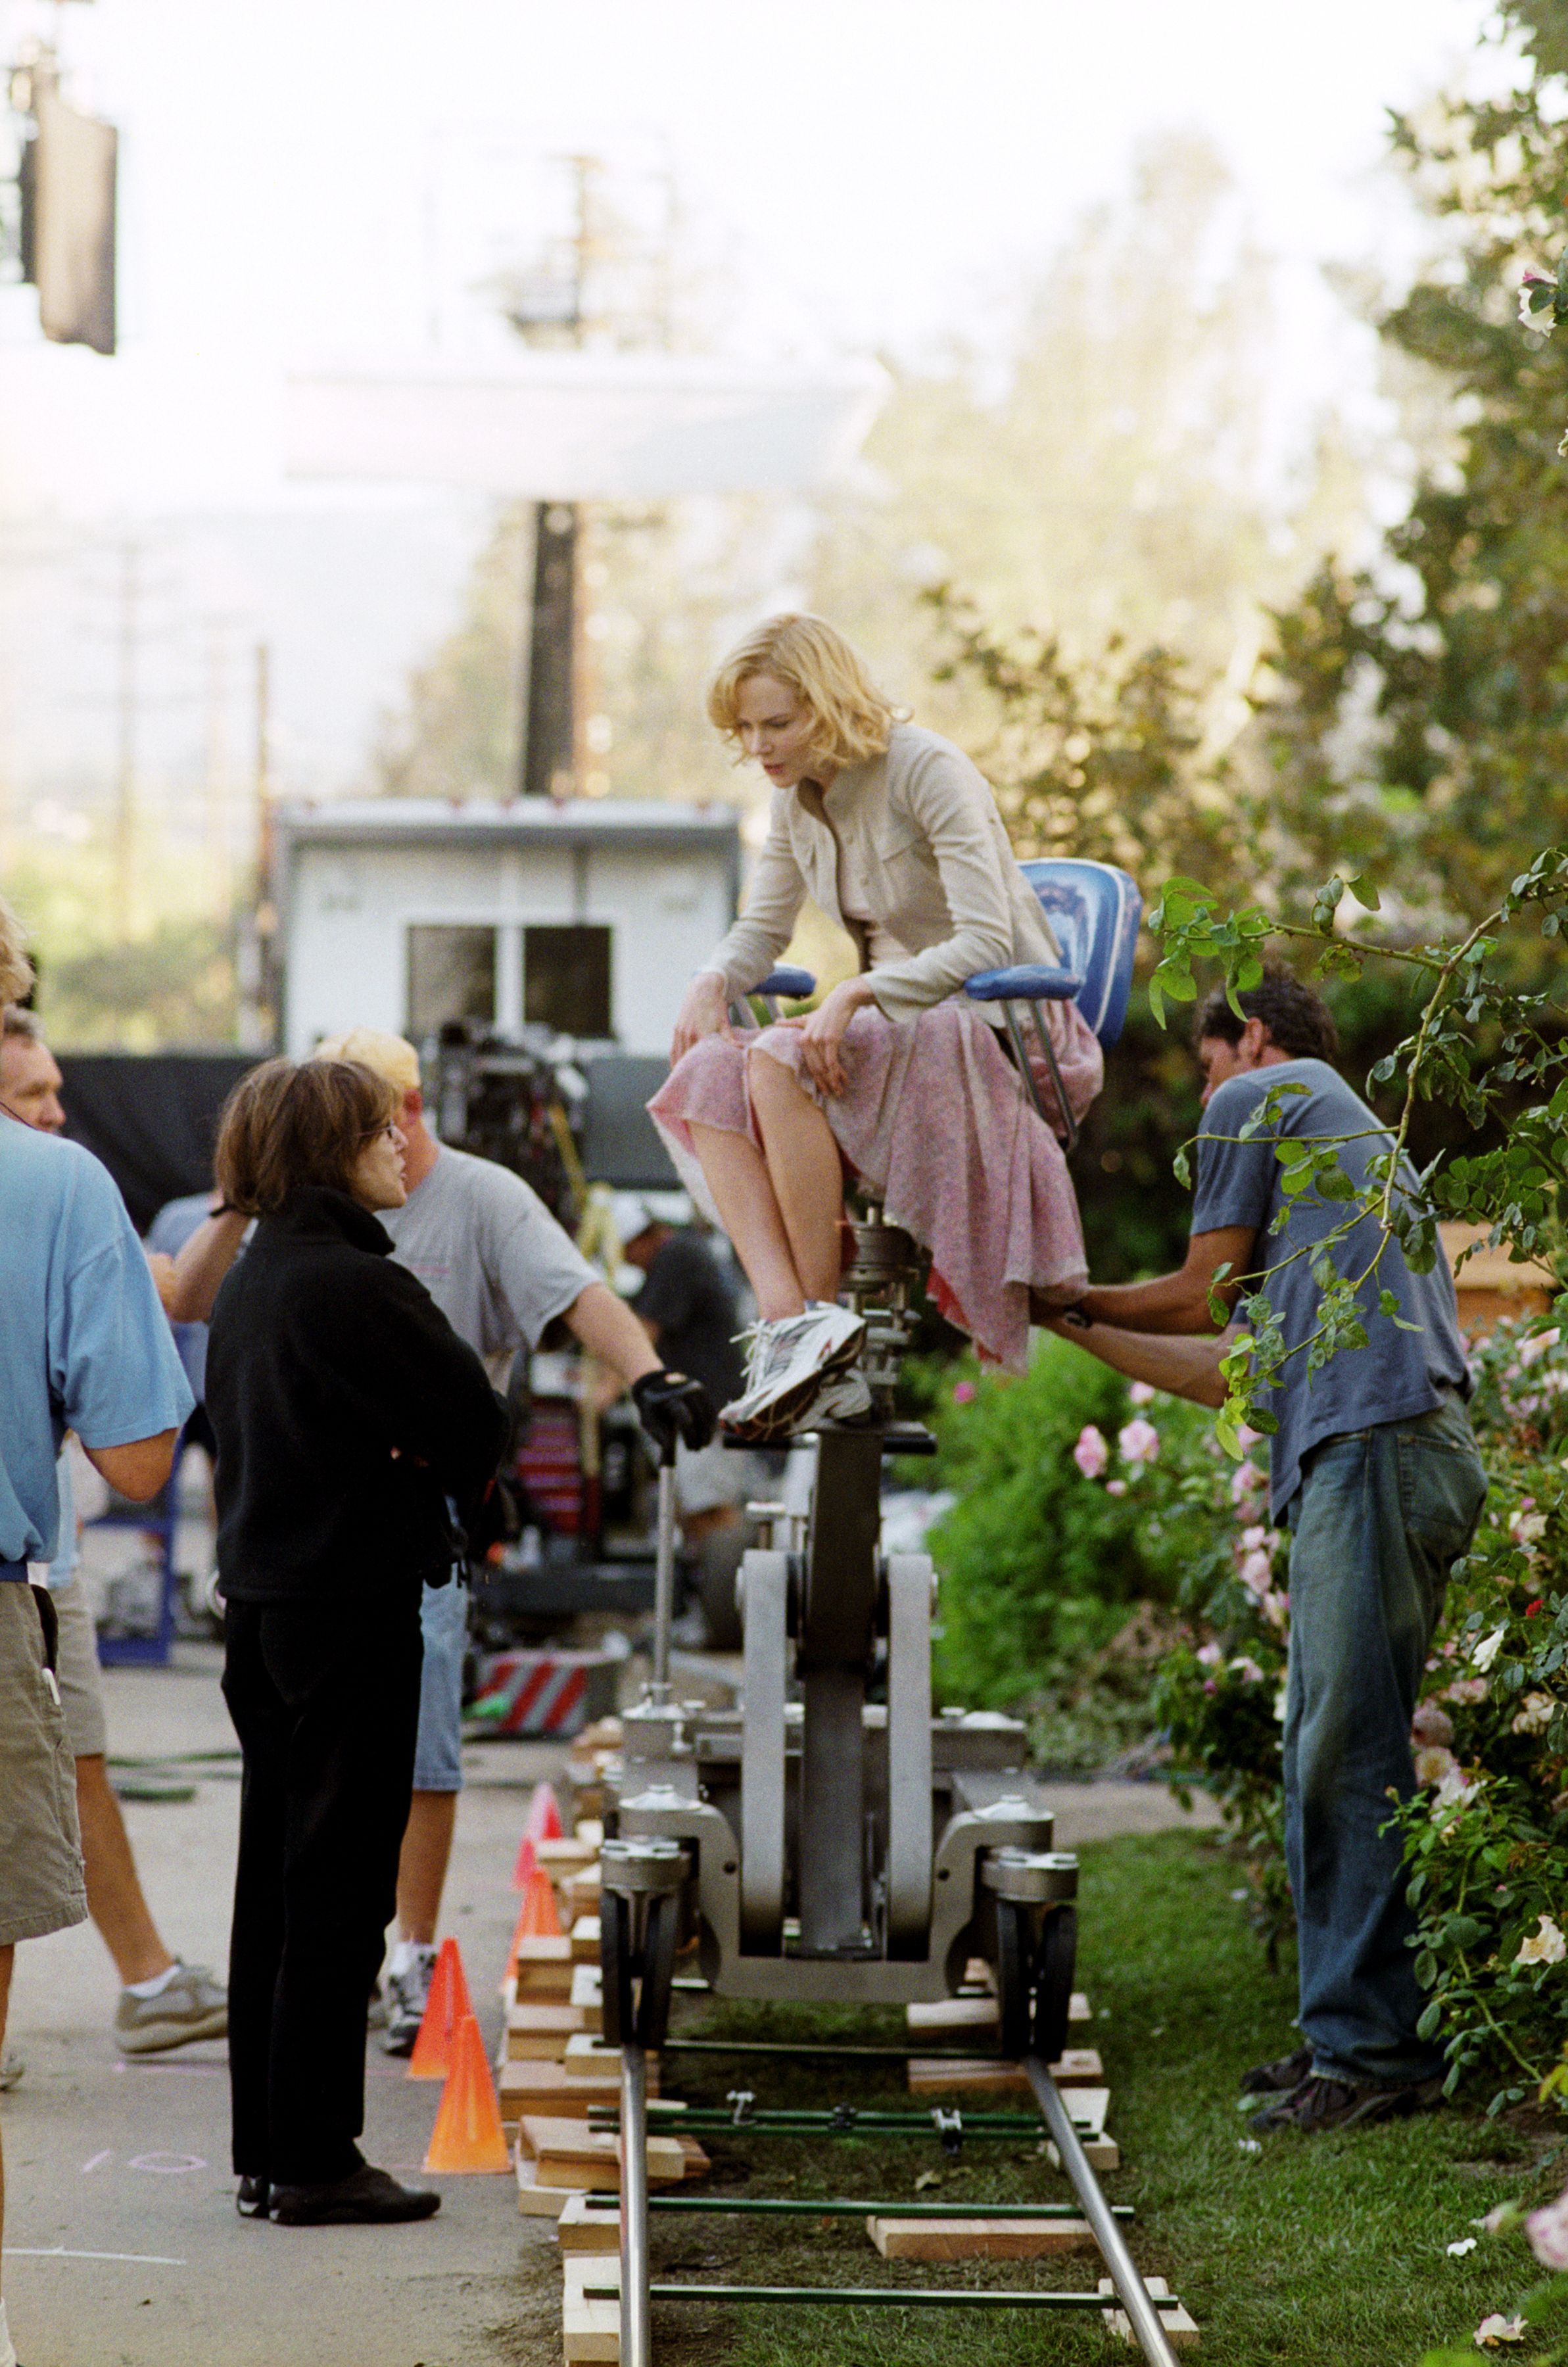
<point x="772" y="1082"/>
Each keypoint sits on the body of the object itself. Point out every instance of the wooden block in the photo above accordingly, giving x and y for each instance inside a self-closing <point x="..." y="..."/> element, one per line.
<point x="604" y="1734"/>
<point x="533" y="2201"/>
<point x="563" y="1858"/>
<point x="1101" y="2153"/>
<point x="1078" y="2007"/>
<point x="591" y="2330"/>
<point x="954" y="2014"/>
<point x="589" y="1830"/>
<point x="585" y="1939"/>
<point x="695" y="2161"/>
<point x="568" y="2153"/>
<point x="581" y="2268"/>
<point x="982" y="2075"/>
<point x="587" y="2057"/>
<point x="1088" y="2107"/>
<point x="550" y="2087"/>
<point x="544" y="1970"/>
<point x="978" y="2240"/>
<point x="579" y="1894"/>
<point x="989" y="2074"/>
<point x="540" y="2034"/>
<point x="1180" y="2331"/>
<point x="587" y="1995"/>
<point x="583" y="2228"/>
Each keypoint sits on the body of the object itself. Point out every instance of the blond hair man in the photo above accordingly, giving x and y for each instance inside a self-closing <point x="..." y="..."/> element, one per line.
<point x="500" y="1268"/>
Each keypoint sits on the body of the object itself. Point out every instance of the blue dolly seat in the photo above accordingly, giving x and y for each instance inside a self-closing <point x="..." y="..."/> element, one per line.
<point x="1093" y="911"/>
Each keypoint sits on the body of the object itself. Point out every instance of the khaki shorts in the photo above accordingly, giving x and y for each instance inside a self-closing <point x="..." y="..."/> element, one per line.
<point x="42" y="1884"/>
<point x="76" y="1666"/>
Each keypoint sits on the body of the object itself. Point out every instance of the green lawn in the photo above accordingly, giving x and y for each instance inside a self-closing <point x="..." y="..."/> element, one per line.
<point x="1323" y="2252"/>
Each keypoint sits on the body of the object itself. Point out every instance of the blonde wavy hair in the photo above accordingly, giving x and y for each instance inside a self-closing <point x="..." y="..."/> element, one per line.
<point x="853" y="718"/>
<point x="16" y="969"/>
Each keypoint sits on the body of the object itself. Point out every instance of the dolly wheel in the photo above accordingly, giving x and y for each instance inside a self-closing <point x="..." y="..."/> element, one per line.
<point x="657" y="1969"/>
<point x="1013" y="1950"/>
<point x="615" y="1964"/>
<point x="1055" y="1963"/>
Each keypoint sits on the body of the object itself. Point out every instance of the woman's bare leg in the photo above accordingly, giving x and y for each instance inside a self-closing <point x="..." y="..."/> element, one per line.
<point x="748" y="1210"/>
<point x="807" y="1177"/>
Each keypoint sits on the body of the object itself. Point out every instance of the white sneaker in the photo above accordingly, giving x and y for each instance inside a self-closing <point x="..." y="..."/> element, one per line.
<point x="844" y="1397"/>
<point x="407" y="1994"/>
<point x="791" y="1356"/>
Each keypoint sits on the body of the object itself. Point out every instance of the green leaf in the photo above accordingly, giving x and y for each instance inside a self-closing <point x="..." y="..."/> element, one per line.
<point x="1428" y="2025"/>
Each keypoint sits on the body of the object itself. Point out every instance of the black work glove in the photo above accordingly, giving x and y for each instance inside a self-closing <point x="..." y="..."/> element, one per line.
<point x="671" y="1408"/>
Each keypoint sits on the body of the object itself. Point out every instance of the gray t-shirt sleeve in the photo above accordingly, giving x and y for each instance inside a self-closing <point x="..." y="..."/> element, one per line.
<point x="536" y="1268"/>
<point x="1236" y="1180"/>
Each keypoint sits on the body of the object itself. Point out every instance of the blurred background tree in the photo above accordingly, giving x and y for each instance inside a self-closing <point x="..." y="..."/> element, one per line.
<point x="1416" y="723"/>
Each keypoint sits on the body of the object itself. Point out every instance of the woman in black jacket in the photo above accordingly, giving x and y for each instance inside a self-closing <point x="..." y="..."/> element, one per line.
<point x="352" y="1427"/>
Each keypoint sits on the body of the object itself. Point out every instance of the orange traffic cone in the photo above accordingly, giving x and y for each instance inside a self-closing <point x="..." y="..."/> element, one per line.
<point x="444" y="2008"/>
<point x="467" y="2135"/>
<point x="526" y="1864"/>
<point x="542" y="1822"/>
<point x="536" y="1919"/>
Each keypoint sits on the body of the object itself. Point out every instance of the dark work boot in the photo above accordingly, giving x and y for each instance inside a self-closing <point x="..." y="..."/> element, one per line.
<point x="369" y="2198"/>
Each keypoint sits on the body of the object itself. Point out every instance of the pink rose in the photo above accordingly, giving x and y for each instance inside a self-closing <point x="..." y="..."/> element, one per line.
<point x="1257" y="1570"/>
<point x="1141" y="1393"/>
<point x="963" y="1393"/>
<point x="1548" y="2232"/>
<point x="1210" y="1657"/>
<point x="1245" y="1482"/>
<point x="1091" y="1453"/>
<point x="1116" y="1487"/>
<point x="1138" y="1443"/>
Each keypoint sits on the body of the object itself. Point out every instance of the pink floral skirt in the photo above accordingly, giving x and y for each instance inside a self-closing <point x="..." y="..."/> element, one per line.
<point x="934" y="1117"/>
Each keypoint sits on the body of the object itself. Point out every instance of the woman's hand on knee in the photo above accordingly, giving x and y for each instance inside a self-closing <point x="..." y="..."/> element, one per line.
<point x="822" y="1032"/>
<point x="704" y="1012"/>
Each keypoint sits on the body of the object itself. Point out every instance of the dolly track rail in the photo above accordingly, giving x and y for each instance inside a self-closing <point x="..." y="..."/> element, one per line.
<point x="638" y="2292"/>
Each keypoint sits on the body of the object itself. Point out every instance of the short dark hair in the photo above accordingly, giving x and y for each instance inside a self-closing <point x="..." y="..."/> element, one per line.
<point x="290" y="1123"/>
<point x="1299" y="1021"/>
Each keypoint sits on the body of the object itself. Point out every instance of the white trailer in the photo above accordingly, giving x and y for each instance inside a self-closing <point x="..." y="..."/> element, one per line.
<point x="587" y="917"/>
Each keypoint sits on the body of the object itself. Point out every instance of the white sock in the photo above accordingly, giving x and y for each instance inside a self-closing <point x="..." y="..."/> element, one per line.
<point x="155" y="1987"/>
<point x="406" y="1953"/>
<point x="8" y="2348"/>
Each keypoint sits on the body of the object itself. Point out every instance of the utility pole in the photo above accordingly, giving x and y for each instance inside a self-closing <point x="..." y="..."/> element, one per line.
<point x="125" y="884"/>
<point x="551" y="762"/>
<point x="219" y="849"/>
<point x="253" y="952"/>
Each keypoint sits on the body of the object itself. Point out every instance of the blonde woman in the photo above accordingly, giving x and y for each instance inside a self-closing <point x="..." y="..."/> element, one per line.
<point x="895" y="1078"/>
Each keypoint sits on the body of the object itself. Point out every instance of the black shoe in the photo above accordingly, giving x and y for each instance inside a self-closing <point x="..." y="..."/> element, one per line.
<point x="1320" y="2103"/>
<point x="1278" y="2078"/>
<point x="254" y="2200"/>
<point x="371" y="2197"/>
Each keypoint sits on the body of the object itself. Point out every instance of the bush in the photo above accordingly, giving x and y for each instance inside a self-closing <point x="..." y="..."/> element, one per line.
<point x="1040" y="1567"/>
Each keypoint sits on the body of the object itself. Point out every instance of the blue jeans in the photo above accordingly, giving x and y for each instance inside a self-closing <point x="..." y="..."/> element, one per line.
<point x="443" y="1625"/>
<point x="1381" y="1516"/>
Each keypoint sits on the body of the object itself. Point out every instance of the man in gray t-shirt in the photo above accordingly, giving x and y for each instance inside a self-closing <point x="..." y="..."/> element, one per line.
<point x="1375" y="1470"/>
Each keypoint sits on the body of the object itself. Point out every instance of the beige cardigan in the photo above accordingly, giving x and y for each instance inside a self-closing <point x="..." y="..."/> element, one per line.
<point x="919" y="826"/>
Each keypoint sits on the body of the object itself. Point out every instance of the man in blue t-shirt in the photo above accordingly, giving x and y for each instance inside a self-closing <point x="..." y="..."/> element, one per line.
<point x="83" y="1345"/>
<point x="1375" y="1470"/>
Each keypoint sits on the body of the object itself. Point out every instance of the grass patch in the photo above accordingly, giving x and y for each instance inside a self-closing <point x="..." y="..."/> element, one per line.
<point x="1329" y="2249"/>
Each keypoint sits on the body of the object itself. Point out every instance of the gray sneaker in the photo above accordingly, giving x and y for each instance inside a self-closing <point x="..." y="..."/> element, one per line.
<point x="193" y="2006"/>
<point x="843" y="1398"/>
<point x="407" y="1994"/>
<point x="12" y="2067"/>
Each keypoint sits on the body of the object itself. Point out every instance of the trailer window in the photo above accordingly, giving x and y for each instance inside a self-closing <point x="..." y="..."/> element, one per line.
<point x="451" y="976"/>
<point x="566" y="979"/>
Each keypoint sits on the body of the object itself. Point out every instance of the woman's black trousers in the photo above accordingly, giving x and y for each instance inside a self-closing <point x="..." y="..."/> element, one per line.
<point x="324" y="1696"/>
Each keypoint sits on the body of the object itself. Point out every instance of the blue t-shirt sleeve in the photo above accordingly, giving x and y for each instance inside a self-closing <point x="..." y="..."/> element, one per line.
<point x="114" y="1373"/>
<point x="1236" y="1180"/>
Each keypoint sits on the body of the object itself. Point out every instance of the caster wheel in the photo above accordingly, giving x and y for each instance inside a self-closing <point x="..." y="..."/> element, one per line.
<point x="1014" y="1949"/>
<point x="1055" y="1963"/>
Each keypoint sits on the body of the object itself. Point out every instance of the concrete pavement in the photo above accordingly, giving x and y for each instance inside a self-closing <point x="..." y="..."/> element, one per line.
<point x="123" y="2247"/>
